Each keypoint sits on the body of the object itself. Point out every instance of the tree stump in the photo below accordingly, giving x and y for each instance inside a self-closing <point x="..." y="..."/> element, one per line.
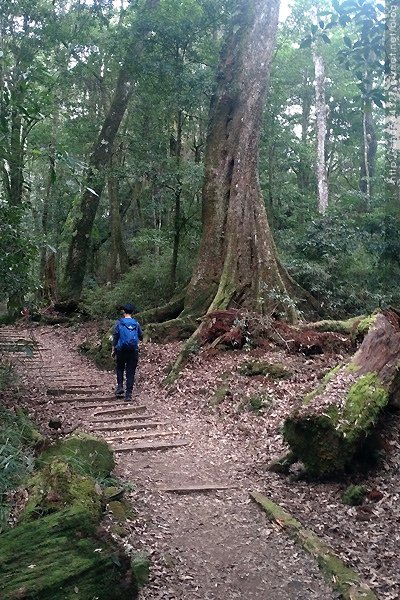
<point x="334" y="421"/>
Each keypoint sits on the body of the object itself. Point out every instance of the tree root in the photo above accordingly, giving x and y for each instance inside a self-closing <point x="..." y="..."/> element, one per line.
<point x="163" y="313"/>
<point x="344" y="579"/>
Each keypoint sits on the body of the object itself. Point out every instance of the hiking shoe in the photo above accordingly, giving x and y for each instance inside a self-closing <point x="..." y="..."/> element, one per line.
<point x="119" y="392"/>
<point x="128" y="398"/>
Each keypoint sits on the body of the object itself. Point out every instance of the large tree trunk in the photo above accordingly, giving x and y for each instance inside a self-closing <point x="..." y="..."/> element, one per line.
<point x="119" y="260"/>
<point x="334" y="422"/>
<point x="97" y="169"/>
<point x="237" y="258"/>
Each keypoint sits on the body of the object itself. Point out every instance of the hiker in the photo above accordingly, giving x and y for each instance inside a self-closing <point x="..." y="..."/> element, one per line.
<point x="125" y="348"/>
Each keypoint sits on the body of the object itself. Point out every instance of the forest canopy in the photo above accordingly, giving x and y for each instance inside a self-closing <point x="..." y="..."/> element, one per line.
<point x="104" y="125"/>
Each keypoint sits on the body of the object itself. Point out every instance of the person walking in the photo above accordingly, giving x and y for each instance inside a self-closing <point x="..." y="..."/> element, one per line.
<point x="125" y="348"/>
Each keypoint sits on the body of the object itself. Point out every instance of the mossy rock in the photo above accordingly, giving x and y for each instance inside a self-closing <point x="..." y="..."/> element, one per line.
<point x="86" y="453"/>
<point x="59" y="557"/>
<point x="120" y="509"/>
<point x="57" y="486"/>
<point x="354" y="495"/>
<point x="276" y="371"/>
<point x="141" y="567"/>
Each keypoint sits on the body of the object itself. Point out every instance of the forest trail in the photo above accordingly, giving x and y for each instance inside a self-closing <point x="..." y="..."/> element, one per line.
<point x="206" y="539"/>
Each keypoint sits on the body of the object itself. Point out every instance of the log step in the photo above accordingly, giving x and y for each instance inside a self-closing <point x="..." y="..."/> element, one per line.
<point x="139" y="417"/>
<point x="113" y="406"/>
<point x="124" y="409"/>
<point x="72" y="399"/>
<point x="72" y="390"/>
<point x="150" y="446"/>
<point x="133" y="436"/>
<point x="195" y="488"/>
<point x="130" y="426"/>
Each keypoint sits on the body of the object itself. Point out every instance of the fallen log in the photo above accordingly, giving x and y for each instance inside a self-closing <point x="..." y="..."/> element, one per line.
<point x="344" y="579"/>
<point x="334" y="422"/>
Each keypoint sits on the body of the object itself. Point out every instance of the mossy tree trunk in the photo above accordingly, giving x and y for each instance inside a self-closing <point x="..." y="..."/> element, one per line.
<point x="334" y="422"/>
<point x="237" y="259"/>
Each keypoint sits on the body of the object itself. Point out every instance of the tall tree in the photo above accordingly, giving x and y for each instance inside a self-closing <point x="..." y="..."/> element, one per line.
<point x="237" y="262"/>
<point x="99" y="160"/>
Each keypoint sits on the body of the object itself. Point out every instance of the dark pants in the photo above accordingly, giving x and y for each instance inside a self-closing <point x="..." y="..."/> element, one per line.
<point x="127" y="361"/>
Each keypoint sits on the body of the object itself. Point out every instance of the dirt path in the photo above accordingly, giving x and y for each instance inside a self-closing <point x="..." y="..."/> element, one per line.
<point x="204" y="544"/>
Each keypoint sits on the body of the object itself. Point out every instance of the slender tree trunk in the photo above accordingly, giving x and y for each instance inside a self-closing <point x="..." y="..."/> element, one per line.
<point x="320" y="119"/>
<point x="48" y="193"/>
<point x="369" y="150"/>
<point x="237" y="259"/>
<point x="97" y="169"/>
<point x="178" y="193"/>
<point x="119" y="261"/>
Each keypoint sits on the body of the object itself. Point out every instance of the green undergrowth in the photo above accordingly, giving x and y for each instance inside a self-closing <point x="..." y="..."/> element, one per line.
<point x="354" y="495"/>
<point x="18" y="438"/>
<point x="254" y="368"/>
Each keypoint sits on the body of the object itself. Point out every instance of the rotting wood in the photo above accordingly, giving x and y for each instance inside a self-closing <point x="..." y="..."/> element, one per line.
<point x="344" y="579"/>
<point x="151" y="446"/>
<point x="127" y="427"/>
<point x="196" y="488"/>
<point x="335" y="422"/>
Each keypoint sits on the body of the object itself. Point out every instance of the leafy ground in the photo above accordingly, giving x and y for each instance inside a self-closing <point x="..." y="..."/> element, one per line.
<point x="219" y="545"/>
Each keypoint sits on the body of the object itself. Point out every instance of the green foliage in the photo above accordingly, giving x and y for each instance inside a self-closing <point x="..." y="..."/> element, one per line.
<point x="354" y="495"/>
<point x="16" y="454"/>
<point x="348" y="264"/>
<point x="146" y="285"/>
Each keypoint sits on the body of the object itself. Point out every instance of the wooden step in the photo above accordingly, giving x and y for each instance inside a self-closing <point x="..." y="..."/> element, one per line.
<point x="112" y="419"/>
<point x="151" y="446"/>
<point x="112" y="405"/>
<point x="130" y="426"/>
<point x="71" y="390"/>
<point x="124" y="409"/>
<point x="195" y="488"/>
<point x="73" y="399"/>
<point x="122" y="437"/>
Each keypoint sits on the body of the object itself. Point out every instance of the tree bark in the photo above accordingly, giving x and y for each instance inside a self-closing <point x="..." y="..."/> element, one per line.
<point x="119" y="261"/>
<point x="335" y="421"/>
<point x="75" y="267"/>
<point x="321" y="128"/>
<point x="237" y="259"/>
<point x="369" y="150"/>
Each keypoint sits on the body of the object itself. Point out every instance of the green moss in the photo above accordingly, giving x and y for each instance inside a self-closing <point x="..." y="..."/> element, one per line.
<point x="260" y="401"/>
<point x="57" y="486"/>
<point x="318" y="445"/>
<point x="365" y="325"/>
<point x="59" y="557"/>
<point x="276" y="371"/>
<point x="141" y="567"/>
<point x="327" y="443"/>
<point x="120" y="509"/>
<point x="365" y="400"/>
<point x="86" y="453"/>
<point x="354" y="495"/>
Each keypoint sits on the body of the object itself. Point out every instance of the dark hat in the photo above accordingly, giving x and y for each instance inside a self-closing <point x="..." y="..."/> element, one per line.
<point x="129" y="308"/>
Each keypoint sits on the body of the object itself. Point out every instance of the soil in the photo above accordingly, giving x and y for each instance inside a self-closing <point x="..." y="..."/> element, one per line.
<point x="217" y="544"/>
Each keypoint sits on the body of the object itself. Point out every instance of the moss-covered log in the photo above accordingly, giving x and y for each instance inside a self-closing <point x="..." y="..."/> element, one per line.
<point x="344" y="579"/>
<point x="333" y="424"/>
<point x="60" y="556"/>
